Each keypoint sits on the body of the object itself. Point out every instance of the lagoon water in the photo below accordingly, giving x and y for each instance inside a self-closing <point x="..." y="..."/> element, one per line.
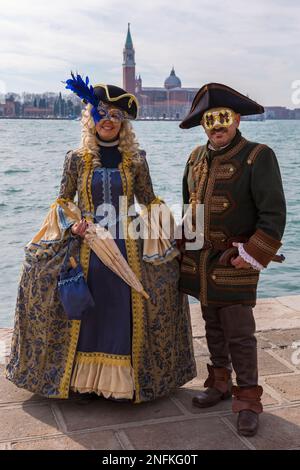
<point x="31" y="159"/>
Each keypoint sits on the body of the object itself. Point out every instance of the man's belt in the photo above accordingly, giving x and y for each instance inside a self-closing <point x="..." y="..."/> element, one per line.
<point x="223" y="245"/>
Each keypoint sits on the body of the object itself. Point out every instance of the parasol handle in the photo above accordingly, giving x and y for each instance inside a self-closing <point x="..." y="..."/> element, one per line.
<point x="73" y="262"/>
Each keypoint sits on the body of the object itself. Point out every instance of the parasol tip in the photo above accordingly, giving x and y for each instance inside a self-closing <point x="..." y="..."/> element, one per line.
<point x="145" y="295"/>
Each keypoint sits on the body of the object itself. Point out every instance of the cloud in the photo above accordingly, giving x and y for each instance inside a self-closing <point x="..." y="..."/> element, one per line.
<point x="252" y="46"/>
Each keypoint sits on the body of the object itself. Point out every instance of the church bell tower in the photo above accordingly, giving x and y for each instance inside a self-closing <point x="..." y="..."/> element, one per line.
<point x="128" y="64"/>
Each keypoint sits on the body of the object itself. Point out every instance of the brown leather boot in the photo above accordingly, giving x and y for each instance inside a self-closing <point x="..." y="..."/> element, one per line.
<point x="247" y="404"/>
<point x="218" y="386"/>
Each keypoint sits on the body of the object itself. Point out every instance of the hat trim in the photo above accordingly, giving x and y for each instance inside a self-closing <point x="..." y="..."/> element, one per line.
<point x="125" y="95"/>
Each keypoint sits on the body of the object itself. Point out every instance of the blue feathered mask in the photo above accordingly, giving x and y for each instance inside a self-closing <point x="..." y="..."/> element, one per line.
<point x="84" y="91"/>
<point x="109" y="94"/>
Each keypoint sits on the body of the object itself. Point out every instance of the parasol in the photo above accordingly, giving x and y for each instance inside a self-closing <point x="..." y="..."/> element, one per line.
<point x="102" y="243"/>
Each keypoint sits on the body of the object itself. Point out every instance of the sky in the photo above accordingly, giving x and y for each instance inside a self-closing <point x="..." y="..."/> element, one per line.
<point x="253" y="47"/>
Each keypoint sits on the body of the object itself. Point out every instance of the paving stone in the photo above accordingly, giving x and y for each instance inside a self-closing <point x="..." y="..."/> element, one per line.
<point x="101" y="412"/>
<point x="197" y="321"/>
<point x="197" y="434"/>
<point x="288" y="387"/>
<point x="268" y="365"/>
<point x="103" y="440"/>
<point x="270" y="314"/>
<point x="291" y="301"/>
<point x="283" y="338"/>
<point x="261" y="342"/>
<point x="10" y="393"/>
<point x="200" y="347"/>
<point x="5" y="446"/>
<point x="35" y="420"/>
<point x="268" y="399"/>
<point x="279" y="429"/>
<point x="291" y="355"/>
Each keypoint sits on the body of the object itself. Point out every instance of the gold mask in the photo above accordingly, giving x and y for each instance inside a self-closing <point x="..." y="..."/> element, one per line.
<point x="218" y="117"/>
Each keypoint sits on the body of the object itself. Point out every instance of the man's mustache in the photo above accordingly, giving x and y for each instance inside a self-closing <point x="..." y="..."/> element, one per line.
<point x="219" y="129"/>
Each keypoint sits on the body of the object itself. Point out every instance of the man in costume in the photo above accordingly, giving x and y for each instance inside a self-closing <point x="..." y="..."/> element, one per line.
<point x="239" y="183"/>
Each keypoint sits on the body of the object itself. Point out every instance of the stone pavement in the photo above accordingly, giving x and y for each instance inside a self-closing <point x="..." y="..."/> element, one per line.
<point x="31" y="422"/>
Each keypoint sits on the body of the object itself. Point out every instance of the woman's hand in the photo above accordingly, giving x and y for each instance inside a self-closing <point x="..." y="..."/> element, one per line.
<point x="79" y="228"/>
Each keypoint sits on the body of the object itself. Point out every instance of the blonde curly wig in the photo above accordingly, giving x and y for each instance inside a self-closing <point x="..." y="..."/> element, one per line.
<point x="90" y="143"/>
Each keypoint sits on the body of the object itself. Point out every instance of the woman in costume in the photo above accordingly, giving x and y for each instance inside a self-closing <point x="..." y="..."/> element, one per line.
<point x="125" y="347"/>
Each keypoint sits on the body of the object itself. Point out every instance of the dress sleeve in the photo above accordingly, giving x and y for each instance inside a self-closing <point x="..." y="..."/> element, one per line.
<point x="57" y="221"/>
<point x="68" y="185"/>
<point x="143" y="188"/>
<point x="159" y="245"/>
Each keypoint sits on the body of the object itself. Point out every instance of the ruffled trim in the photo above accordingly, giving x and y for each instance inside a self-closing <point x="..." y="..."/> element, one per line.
<point x="107" y="375"/>
<point x="159" y="228"/>
<point x="249" y="259"/>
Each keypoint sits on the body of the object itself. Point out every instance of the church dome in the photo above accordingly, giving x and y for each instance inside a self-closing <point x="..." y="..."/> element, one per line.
<point x="172" y="81"/>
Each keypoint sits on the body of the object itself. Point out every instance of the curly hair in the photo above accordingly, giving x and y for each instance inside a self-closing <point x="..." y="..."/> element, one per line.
<point x="90" y="142"/>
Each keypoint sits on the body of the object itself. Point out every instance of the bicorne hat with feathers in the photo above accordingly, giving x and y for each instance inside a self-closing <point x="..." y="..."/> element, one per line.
<point x="110" y="94"/>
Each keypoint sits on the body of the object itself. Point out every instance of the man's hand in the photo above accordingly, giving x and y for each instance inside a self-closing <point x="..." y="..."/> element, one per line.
<point x="239" y="263"/>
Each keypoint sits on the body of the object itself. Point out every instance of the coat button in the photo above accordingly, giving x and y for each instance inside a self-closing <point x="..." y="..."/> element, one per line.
<point x="214" y="277"/>
<point x="225" y="204"/>
<point x="249" y="162"/>
<point x="231" y="169"/>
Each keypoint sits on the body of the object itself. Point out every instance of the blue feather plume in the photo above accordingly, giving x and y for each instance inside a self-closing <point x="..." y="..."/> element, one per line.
<point x="82" y="88"/>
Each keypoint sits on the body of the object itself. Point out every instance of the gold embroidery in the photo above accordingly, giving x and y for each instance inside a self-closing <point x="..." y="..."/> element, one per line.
<point x="203" y="279"/>
<point x="188" y="265"/>
<point x="233" y="276"/>
<point x="102" y="358"/>
<point x="264" y="246"/>
<point x="254" y="153"/>
<point x="219" y="204"/>
<point x="226" y="171"/>
<point x="199" y="179"/>
<point x="134" y="262"/>
<point x="124" y="95"/>
<point x="234" y="151"/>
<point x="84" y="260"/>
<point x="217" y="236"/>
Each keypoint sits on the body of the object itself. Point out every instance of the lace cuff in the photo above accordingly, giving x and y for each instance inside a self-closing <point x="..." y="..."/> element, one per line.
<point x="249" y="259"/>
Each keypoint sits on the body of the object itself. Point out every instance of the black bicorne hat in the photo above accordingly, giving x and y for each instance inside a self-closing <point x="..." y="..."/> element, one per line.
<point x="215" y="95"/>
<point x="118" y="97"/>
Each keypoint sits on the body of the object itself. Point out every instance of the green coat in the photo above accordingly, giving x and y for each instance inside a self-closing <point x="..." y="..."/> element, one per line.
<point x="241" y="189"/>
<point x="44" y="340"/>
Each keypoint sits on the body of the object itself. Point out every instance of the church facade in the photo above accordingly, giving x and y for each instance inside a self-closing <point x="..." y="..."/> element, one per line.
<point x="171" y="101"/>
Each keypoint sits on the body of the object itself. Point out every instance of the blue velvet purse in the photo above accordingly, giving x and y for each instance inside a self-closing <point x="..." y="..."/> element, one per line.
<point x="74" y="292"/>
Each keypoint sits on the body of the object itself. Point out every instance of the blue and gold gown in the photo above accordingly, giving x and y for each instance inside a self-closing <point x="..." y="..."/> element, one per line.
<point x="126" y="347"/>
<point x="103" y="359"/>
